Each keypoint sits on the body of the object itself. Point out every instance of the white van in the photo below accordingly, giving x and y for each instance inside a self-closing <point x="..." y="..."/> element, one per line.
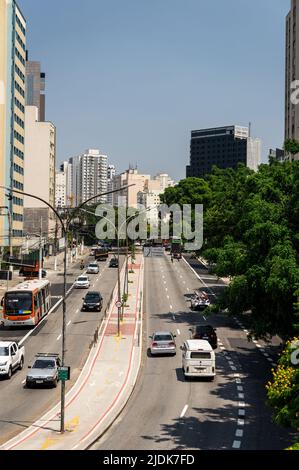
<point x="198" y="359"/>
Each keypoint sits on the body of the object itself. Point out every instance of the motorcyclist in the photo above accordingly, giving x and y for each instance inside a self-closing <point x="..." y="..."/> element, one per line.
<point x="82" y="264"/>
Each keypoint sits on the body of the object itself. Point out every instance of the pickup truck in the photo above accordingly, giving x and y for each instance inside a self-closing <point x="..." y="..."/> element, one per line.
<point x="11" y="358"/>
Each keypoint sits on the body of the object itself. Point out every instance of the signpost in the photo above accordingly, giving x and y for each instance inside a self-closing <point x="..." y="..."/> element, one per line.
<point x="64" y="373"/>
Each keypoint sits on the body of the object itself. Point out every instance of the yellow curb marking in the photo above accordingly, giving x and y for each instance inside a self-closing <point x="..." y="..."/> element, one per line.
<point x="72" y="425"/>
<point x="50" y="442"/>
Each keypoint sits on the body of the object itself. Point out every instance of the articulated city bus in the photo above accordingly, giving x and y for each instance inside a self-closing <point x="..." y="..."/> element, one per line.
<point x="27" y="303"/>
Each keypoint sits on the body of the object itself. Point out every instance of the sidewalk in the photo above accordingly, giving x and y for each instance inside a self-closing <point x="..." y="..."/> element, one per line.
<point x="104" y="385"/>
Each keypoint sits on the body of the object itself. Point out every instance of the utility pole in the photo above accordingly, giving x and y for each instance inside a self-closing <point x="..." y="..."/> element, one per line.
<point x="40" y="271"/>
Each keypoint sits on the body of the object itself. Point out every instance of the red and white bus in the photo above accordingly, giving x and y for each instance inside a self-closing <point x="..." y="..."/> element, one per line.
<point x="27" y="303"/>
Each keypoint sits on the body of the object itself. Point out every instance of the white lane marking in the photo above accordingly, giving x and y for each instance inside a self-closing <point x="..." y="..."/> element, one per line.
<point x="241" y="396"/>
<point x="240" y="388"/>
<point x="58" y="338"/>
<point x="222" y="348"/>
<point x="241" y="404"/>
<point x="246" y="331"/>
<point x="236" y="444"/>
<point x="254" y="341"/>
<point x="233" y="368"/>
<point x="266" y="355"/>
<point x="97" y="279"/>
<point x="173" y="317"/>
<point x="204" y="318"/>
<point x="170" y="307"/>
<point x="178" y="331"/>
<point x="77" y="311"/>
<point x="241" y="412"/>
<point x="188" y="289"/>
<point x="166" y="288"/>
<point x="258" y="346"/>
<point x="239" y="433"/>
<point x="231" y="363"/>
<point x="164" y="282"/>
<point x="69" y="323"/>
<point x="184" y="411"/>
<point x="273" y="364"/>
<point x="241" y="422"/>
<point x="238" y="381"/>
<point x="168" y="297"/>
<point x="237" y="375"/>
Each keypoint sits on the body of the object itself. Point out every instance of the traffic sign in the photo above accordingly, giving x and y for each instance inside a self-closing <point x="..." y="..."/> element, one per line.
<point x="64" y="373"/>
<point x="118" y="304"/>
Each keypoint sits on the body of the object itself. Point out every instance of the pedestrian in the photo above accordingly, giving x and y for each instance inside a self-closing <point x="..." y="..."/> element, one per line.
<point x="171" y="258"/>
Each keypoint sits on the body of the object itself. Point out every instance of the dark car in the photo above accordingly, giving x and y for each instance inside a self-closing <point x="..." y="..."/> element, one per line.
<point x="113" y="263"/>
<point x="92" y="301"/>
<point x="205" y="332"/>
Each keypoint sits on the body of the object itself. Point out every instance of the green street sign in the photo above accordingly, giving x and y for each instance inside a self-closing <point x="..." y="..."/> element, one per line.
<point x="64" y="373"/>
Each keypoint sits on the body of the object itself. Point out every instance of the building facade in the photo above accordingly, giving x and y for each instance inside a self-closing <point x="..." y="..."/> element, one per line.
<point x="129" y="197"/>
<point x="89" y="176"/>
<point x="224" y="147"/>
<point x="40" y="159"/>
<point x="12" y="116"/>
<point x="111" y="172"/>
<point x="60" y="189"/>
<point x="35" y="88"/>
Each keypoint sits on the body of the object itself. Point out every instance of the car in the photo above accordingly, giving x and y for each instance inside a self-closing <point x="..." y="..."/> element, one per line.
<point x="93" y="268"/>
<point x="82" y="282"/>
<point x="163" y="342"/>
<point x="200" y="300"/>
<point x="198" y="359"/>
<point x="11" y="358"/>
<point x="92" y="301"/>
<point x="44" y="370"/>
<point x="113" y="263"/>
<point x="205" y="332"/>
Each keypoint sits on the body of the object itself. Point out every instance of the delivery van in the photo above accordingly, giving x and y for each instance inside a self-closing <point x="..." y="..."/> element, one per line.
<point x="198" y="359"/>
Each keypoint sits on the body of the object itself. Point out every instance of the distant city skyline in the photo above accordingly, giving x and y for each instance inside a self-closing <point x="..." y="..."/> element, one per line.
<point x="146" y="73"/>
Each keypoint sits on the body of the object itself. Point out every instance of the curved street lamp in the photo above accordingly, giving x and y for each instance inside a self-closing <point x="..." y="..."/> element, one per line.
<point x="65" y="228"/>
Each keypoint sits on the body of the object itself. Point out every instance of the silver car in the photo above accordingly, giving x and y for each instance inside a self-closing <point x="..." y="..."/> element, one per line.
<point x="44" y="370"/>
<point x="163" y="342"/>
<point x="93" y="268"/>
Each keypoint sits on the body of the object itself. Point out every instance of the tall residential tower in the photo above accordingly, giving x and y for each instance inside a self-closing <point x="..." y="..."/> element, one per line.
<point x="12" y="116"/>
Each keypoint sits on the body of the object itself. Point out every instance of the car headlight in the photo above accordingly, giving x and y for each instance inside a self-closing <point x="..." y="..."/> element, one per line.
<point x="3" y="364"/>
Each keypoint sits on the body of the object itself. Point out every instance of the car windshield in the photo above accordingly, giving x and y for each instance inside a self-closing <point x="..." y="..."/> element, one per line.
<point x="204" y="329"/>
<point x="82" y="279"/>
<point x="92" y="298"/>
<point x="93" y="265"/>
<point x="18" y="302"/>
<point x="4" y="351"/>
<point x="162" y="338"/>
<point x="44" y="364"/>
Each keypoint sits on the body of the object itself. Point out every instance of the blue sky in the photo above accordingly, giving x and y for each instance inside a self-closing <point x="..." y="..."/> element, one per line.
<point x="133" y="77"/>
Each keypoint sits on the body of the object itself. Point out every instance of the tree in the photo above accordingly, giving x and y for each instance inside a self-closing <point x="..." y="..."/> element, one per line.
<point x="291" y="146"/>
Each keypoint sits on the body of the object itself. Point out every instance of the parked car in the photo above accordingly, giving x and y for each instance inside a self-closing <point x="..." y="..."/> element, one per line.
<point x="92" y="301"/>
<point x="205" y="332"/>
<point x="82" y="282"/>
<point x="44" y="370"/>
<point x="11" y="358"/>
<point x="93" y="268"/>
<point x="198" y="359"/>
<point x="163" y="342"/>
<point x="113" y="263"/>
<point x="200" y="300"/>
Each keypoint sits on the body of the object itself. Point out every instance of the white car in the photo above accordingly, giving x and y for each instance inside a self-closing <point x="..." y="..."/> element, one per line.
<point x="11" y="358"/>
<point x="198" y="359"/>
<point x="82" y="282"/>
<point x="93" y="268"/>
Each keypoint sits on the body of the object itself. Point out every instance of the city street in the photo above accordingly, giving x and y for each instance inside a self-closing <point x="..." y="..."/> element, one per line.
<point x="168" y="412"/>
<point x="29" y="405"/>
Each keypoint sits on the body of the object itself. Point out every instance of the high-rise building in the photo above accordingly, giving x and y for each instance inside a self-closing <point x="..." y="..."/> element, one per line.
<point x="111" y="172"/>
<point x="35" y="88"/>
<point x="223" y="147"/>
<point x="39" y="174"/>
<point x="129" y="196"/>
<point x="60" y="189"/>
<point x="12" y="116"/>
<point x="89" y="176"/>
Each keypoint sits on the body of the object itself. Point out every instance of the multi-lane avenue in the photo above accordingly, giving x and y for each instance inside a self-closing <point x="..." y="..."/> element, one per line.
<point x="20" y="407"/>
<point x="168" y="412"/>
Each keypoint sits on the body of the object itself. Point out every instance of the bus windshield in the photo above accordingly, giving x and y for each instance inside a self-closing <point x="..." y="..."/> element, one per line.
<point x="18" y="303"/>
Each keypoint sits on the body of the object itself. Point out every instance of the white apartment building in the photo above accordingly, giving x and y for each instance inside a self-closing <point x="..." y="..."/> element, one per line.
<point x="39" y="170"/>
<point x="60" y="189"/>
<point x="111" y="172"/>
<point x="89" y="176"/>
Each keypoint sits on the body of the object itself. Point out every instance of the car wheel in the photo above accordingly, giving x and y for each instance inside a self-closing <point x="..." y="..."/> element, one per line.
<point x="9" y="373"/>
<point x="55" y="383"/>
<point x="28" y="385"/>
<point x="21" y="363"/>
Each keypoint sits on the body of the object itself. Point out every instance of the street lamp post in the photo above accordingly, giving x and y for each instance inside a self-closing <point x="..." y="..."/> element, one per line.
<point x="65" y="229"/>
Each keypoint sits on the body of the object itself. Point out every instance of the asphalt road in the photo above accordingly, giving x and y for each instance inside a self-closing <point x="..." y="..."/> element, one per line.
<point x="20" y="407"/>
<point x="166" y="411"/>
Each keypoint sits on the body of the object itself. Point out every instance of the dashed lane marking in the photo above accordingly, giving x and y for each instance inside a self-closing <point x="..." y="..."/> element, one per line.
<point x="241" y="412"/>
<point x="236" y="444"/>
<point x="241" y="422"/>
<point x="239" y="433"/>
<point x="241" y="396"/>
<point x="178" y="331"/>
<point x="184" y="411"/>
<point x="58" y="338"/>
<point x="69" y="323"/>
